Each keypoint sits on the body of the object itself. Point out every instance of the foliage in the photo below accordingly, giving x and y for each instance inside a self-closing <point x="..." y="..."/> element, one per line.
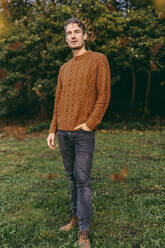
<point x="38" y="127"/>
<point x="20" y="8"/>
<point x="33" y="51"/>
<point x="34" y="63"/>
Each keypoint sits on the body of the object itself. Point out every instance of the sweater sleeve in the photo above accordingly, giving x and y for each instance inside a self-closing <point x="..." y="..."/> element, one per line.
<point x="103" y="85"/>
<point x="53" y="126"/>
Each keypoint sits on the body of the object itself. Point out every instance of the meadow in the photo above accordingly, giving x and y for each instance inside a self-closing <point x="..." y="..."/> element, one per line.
<point x="35" y="200"/>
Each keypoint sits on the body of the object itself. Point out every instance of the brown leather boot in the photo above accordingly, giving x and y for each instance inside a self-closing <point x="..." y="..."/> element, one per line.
<point x="70" y="225"/>
<point x="83" y="239"/>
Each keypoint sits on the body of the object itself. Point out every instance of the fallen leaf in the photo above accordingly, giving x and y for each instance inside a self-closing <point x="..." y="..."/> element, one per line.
<point x="119" y="177"/>
<point x="51" y="176"/>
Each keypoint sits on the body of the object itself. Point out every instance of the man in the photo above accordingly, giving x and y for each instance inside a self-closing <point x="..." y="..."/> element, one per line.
<point x="82" y="97"/>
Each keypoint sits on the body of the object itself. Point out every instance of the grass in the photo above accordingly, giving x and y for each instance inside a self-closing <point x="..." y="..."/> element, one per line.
<point x="35" y="199"/>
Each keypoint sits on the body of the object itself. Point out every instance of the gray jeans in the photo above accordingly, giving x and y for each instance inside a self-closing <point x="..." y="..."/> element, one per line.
<point x="77" y="149"/>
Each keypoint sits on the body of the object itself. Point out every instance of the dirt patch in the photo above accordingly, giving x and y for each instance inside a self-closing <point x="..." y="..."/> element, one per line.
<point x="48" y="176"/>
<point x="19" y="132"/>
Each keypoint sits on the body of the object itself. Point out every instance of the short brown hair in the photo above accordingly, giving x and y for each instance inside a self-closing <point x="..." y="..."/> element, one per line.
<point x="75" y="20"/>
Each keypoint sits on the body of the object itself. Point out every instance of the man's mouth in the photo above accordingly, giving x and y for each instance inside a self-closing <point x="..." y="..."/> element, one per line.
<point x="74" y="42"/>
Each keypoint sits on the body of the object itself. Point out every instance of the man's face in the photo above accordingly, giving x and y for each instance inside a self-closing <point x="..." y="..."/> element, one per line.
<point x="75" y="37"/>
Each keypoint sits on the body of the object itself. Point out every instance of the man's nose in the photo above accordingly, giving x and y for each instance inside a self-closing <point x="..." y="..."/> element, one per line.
<point x="73" y="35"/>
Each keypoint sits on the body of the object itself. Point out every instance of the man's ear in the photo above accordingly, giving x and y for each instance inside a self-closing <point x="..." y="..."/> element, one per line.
<point x="85" y="36"/>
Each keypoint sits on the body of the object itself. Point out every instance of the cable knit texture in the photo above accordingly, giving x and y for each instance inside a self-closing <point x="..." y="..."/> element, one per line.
<point x="83" y="92"/>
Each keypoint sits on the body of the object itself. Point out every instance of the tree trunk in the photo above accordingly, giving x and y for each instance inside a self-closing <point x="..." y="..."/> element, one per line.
<point x="44" y="115"/>
<point x="38" y="2"/>
<point x="29" y="95"/>
<point x="21" y="3"/>
<point x="29" y="90"/>
<point x="147" y="93"/>
<point x="53" y="2"/>
<point x="133" y="86"/>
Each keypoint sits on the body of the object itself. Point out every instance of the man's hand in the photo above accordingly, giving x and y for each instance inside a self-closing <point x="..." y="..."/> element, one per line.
<point x="50" y="140"/>
<point x="84" y="127"/>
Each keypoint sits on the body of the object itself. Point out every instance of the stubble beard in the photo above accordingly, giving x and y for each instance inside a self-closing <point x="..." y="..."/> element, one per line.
<point x="77" y="48"/>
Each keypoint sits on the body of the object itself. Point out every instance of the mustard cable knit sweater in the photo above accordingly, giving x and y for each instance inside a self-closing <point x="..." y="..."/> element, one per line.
<point x="83" y="92"/>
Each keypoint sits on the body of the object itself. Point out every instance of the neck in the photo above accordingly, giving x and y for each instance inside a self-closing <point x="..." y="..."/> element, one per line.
<point x="78" y="52"/>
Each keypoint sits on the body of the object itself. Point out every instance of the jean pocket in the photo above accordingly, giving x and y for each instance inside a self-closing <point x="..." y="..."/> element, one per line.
<point x="63" y="141"/>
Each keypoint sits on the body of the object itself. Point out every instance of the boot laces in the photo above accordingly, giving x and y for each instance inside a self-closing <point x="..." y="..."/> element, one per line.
<point x="83" y="235"/>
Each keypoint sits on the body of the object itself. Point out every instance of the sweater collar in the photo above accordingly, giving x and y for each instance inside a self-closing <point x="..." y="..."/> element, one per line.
<point x="79" y="57"/>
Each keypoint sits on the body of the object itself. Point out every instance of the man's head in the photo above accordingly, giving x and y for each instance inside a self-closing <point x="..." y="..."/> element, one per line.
<point x="75" y="33"/>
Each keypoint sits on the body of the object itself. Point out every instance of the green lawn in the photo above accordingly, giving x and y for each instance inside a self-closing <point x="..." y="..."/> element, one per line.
<point x="35" y="199"/>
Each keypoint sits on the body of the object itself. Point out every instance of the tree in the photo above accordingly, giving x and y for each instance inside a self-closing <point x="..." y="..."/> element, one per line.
<point x="34" y="49"/>
<point x="31" y="55"/>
